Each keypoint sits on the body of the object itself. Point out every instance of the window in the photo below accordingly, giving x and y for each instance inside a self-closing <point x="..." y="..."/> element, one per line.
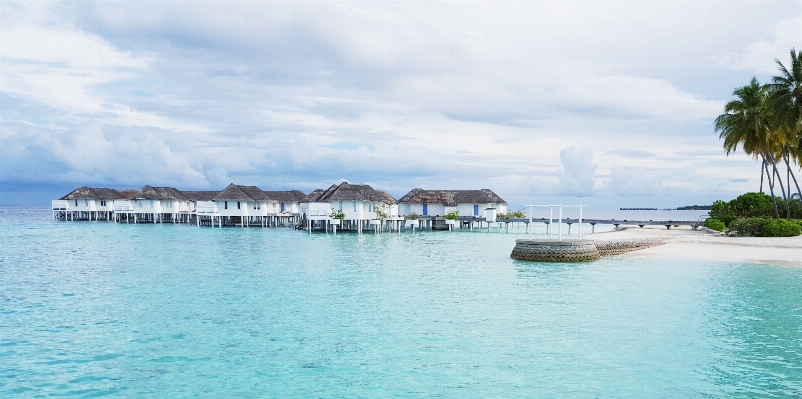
<point x="226" y="204"/>
<point x="76" y="202"/>
<point x="238" y="205"/>
<point x="354" y="206"/>
<point x="341" y="205"/>
<point x="151" y="203"/>
<point x="86" y="202"/>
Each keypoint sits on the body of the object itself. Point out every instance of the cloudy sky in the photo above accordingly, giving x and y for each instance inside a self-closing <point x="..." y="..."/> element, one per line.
<point x="605" y="103"/>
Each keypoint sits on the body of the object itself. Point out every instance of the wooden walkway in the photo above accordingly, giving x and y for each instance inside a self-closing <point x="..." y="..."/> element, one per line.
<point x="694" y="224"/>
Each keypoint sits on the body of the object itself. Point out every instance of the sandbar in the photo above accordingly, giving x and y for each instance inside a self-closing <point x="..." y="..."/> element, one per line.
<point x="707" y="245"/>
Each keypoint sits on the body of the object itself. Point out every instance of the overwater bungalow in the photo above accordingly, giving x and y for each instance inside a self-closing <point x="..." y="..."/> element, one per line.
<point x="203" y="205"/>
<point x="86" y="203"/>
<point x="358" y="203"/>
<point x="283" y="207"/>
<point x="477" y="203"/>
<point x="250" y="205"/>
<point x="154" y="205"/>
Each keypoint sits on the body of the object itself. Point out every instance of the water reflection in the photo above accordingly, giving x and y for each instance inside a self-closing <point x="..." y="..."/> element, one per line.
<point x="756" y="331"/>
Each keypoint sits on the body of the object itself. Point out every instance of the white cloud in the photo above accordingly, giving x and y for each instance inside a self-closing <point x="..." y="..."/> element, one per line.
<point x="759" y="56"/>
<point x="577" y="177"/>
<point x="455" y="95"/>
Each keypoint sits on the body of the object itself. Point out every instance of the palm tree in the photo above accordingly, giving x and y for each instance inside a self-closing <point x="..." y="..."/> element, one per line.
<point x="746" y="122"/>
<point x="785" y="101"/>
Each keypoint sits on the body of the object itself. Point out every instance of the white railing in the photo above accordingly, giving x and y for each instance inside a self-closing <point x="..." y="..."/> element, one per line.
<point x="61" y="205"/>
<point x="207" y="208"/>
<point x="123" y="206"/>
<point x="318" y="212"/>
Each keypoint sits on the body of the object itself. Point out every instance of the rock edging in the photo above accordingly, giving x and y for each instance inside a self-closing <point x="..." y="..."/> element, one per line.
<point x="579" y="251"/>
<point x="619" y="247"/>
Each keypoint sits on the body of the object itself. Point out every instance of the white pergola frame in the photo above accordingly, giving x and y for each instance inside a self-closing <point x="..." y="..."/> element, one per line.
<point x="551" y="218"/>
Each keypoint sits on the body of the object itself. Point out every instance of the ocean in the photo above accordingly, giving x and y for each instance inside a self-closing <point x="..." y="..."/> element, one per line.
<point x="92" y="309"/>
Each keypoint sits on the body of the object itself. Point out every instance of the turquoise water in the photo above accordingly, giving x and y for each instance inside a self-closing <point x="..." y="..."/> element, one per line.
<point x="160" y="311"/>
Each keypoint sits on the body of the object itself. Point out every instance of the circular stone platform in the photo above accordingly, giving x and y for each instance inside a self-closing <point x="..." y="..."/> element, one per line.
<point x="555" y="251"/>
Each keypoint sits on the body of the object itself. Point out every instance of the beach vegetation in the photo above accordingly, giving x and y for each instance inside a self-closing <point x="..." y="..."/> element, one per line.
<point x="722" y="211"/>
<point x="766" y="122"/>
<point x="413" y="216"/>
<point x="338" y="214"/>
<point x="764" y="227"/>
<point x="453" y="215"/>
<point x="715" y="224"/>
<point x="381" y="211"/>
<point x="753" y="205"/>
<point x="519" y="214"/>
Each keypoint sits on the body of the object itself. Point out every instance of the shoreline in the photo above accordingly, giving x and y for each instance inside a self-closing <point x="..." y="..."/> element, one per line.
<point x="704" y="245"/>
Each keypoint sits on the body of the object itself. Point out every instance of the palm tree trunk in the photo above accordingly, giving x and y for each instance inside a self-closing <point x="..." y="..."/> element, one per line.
<point x="782" y="189"/>
<point x="788" y="165"/>
<point x="763" y="162"/>
<point x="771" y="189"/>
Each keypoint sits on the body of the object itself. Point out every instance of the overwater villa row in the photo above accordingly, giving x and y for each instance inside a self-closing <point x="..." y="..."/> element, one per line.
<point x="340" y="207"/>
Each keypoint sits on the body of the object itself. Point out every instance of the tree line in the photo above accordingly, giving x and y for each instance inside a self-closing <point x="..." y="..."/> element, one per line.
<point x="766" y="121"/>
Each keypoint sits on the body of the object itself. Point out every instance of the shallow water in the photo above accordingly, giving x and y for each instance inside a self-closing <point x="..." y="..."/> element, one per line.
<point x="93" y="308"/>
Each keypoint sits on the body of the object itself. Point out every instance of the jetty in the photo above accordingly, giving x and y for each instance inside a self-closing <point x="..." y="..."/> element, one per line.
<point x="343" y="207"/>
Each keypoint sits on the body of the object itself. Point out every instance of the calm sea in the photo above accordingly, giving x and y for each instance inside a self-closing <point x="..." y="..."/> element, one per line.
<point x="172" y="311"/>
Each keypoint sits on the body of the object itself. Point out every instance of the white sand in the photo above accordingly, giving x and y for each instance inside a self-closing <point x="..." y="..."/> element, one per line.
<point x="705" y="245"/>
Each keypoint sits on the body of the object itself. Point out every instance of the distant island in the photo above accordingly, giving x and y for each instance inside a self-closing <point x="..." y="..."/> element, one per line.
<point x="694" y="208"/>
<point x="637" y="209"/>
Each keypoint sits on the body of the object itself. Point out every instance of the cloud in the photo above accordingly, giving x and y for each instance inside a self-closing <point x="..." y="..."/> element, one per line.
<point x="759" y="56"/>
<point x="631" y="153"/>
<point x="577" y="178"/>
<point x="85" y="155"/>
<point x="298" y="95"/>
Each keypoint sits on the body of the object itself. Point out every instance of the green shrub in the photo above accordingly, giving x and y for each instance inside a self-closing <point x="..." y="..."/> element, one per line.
<point x="453" y="215"/>
<point x="338" y="214"/>
<point x="715" y="224"/>
<point x="752" y="205"/>
<point x="722" y="211"/>
<point x="780" y="228"/>
<point x="413" y="216"/>
<point x="750" y="227"/>
<point x="762" y="227"/>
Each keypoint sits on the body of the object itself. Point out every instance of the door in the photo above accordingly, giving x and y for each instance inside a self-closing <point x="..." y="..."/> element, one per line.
<point x="282" y="206"/>
<point x="476" y="210"/>
<point x="425" y="209"/>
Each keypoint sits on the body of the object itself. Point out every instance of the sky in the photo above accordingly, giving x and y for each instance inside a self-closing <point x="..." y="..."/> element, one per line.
<point x="609" y="104"/>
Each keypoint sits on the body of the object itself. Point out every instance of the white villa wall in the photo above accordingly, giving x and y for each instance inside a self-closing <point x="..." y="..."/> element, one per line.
<point x="243" y="210"/>
<point x="274" y="207"/>
<point x="147" y="206"/>
<point x="83" y="205"/>
<point x="207" y="208"/>
<point x="316" y="210"/>
<point x="440" y="209"/>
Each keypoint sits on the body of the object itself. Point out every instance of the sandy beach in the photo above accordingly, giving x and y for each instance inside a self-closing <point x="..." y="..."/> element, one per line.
<point x="707" y="245"/>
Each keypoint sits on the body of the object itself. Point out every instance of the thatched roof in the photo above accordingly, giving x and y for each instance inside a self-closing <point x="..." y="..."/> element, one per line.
<point x="388" y="199"/>
<point x="96" y="193"/>
<point x="160" y="193"/>
<point x="233" y="193"/>
<point x="196" y="196"/>
<point x="285" y="196"/>
<point x="236" y="192"/>
<point x="451" y="197"/>
<point x="348" y="192"/>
